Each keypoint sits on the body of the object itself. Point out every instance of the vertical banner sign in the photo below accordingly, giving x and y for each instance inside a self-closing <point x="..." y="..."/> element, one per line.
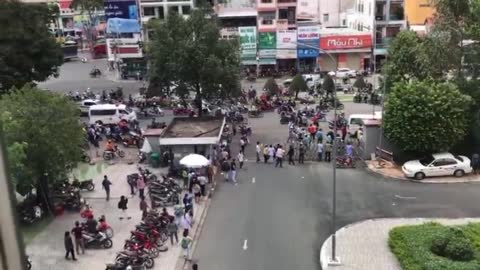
<point x="286" y="44"/>
<point x="308" y="41"/>
<point x="267" y="43"/>
<point x="307" y="10"/>
<point x="248" y="42"/>
<point x="125" y="9"/>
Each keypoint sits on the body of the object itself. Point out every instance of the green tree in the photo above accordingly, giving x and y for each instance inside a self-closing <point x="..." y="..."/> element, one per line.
<point x="28" y="51"/>
<point x="271" y="87"/>
<point x="298" y="84"/>
<point x="425" y="117"/>
<point x="189" y="51"/>
<point x="360" y="83"/>
<point x="87" y="6"/>
<point x="328" y="85"/>
<point x="43" y="136"/>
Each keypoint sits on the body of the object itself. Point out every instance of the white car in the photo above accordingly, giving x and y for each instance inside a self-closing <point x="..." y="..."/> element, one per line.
<point x="345" y="73"/>
<point x="441" y="164"/>
<point x="85" y="105"/>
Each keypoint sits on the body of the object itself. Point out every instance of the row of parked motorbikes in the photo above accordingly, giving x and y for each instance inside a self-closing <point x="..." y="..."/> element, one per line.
<point x="145" y="243"/>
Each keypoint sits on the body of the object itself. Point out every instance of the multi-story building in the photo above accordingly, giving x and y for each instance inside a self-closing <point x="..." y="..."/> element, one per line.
<point x="159" y="9"/>
<point x="419" y="14"/>
<point x="329" y="13"/>
<point x="383" y="19"/>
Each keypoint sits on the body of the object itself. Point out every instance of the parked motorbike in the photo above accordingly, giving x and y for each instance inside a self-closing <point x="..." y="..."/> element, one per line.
<point x="100" y="240"/>
<point x="345" y="162"/>
<point x="133" y="138"/>
<point x="84" y="185"/>
<point x="95" y="73"/>
<point x="30" y="215"/>
<point x="126" y="258"/>
<point x="109" y="155"/>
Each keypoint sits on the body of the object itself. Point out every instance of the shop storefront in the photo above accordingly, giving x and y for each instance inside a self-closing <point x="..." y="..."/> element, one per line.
<point x="286" y="50"/>
<point x="307" y="48"/>
<point x="248" y="47"/>
<point x="350" y="50"/>
<point x="267" y="43"/>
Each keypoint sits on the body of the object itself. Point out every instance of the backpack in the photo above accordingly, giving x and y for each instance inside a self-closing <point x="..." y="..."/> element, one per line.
<point x="185" y="243"/>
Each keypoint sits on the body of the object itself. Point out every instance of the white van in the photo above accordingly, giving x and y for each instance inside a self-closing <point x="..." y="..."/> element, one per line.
<point x="110" y="113"/>
<point x="355" y="121"/>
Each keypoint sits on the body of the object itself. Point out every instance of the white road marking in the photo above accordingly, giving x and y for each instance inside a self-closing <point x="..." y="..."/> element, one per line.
<point x="245" y="245"/>
<point x="405" y="198"/>
<point x="253" y="179"/>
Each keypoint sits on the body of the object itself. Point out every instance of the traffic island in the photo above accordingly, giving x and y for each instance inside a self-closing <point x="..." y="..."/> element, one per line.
<point x="392" y="171"/>
<point x="365" y="245"/>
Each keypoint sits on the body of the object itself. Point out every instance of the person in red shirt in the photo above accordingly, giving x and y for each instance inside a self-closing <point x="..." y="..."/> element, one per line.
<point x="78" y="235"/>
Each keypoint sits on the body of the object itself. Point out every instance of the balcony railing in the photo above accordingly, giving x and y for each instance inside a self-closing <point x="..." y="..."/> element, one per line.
<point x="397" y="17"/>
<point x="382" y="42"/>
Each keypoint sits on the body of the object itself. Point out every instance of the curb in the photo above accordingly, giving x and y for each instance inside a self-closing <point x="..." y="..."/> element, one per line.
<point x="432" y="181"/>
<point x="324" y="253"/>
<point x="181" y="262"/>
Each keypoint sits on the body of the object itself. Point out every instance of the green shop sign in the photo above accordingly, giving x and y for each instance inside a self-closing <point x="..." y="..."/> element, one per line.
<point x="267" y="40"/>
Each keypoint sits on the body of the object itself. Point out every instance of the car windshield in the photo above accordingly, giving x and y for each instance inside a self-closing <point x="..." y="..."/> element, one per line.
<point x="459" y="158"/>
<point x="426" y="160"/>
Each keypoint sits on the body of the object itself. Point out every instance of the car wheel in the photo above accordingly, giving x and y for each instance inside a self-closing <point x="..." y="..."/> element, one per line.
<point x="459" y="173"/>
<point x="419" y="175"/>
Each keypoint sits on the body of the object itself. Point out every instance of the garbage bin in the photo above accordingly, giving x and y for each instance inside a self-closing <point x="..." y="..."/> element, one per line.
<point x="155" y="159"/>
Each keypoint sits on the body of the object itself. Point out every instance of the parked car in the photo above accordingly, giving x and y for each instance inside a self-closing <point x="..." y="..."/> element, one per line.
<point x="346" y="73"/>
<point x="85" y="105"/>
<point x="441" y="164"/>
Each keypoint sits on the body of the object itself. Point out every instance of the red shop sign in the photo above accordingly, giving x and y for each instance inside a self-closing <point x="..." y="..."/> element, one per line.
<point x="345" y="42"/>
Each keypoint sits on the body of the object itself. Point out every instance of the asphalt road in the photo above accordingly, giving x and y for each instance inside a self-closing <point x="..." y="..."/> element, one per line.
<point x="285" y="214"/>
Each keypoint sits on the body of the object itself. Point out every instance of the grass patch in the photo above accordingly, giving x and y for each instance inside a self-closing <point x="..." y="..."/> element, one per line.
<point x="412" y="245"/>
<point x="30" y="231"/>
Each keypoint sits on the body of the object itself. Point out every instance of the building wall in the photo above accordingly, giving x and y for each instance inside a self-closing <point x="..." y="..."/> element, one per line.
<point x="417" y="11"/>
<point x="329" y="13"/>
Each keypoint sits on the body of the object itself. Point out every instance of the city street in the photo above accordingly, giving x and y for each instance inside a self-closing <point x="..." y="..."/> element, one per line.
<point x="277" y="218"/>
<point x="280" y="219"/>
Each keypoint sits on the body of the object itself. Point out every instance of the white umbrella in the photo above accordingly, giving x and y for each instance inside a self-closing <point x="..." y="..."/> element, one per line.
<point x="194" y="161"/>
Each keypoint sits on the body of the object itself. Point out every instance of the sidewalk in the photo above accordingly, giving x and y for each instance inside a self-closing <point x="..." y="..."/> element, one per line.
<point x="395" y="172"/>
<point x="364" y="245"/>
<point x="47" y="251"/>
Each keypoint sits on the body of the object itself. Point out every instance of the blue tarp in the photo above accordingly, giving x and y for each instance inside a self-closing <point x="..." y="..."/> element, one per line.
<point x="118" y="25"/>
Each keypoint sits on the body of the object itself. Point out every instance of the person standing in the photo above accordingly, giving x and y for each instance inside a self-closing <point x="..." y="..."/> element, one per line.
<point x="122" y="205"/>
<point x="349" y="149"/>
<point x="233" y="172"/>
<point x="69" y="246"/>
<point x="172" y="229"/>
<point x="266" y="152"/>
<point x="242" y="144"/>
<point x="202" y="181"/>
<point x="319" y="135"/>
<point x="258" y="150"/>
<point x="291" y="154"/>
<point x="78" y="235"/>
<point x="195" y="266"/>
<point x="240" y="158"/>
<point x="475" y="163"/>
<point x="106" y="185"/>
<point x="279" y="154"/>
<point x="186" y="245"/>
<point x="143" y="208"/>
<point x="301" y="154"/>
<point x="141" y="186"/>
<point x="132" y="182"/>
<point x="328" y="151"/>
<point x="271" y="152"/>
<point x="319" y="151"/>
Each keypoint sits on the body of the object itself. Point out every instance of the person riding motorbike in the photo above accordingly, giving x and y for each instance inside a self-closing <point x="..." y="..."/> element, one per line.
<point x="110" y="146"/>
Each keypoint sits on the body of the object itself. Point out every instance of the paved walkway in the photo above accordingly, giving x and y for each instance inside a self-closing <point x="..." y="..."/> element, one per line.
<point x="394" y="171"/>
<point x="364" y="246"/>
<point x="47" y="251"/>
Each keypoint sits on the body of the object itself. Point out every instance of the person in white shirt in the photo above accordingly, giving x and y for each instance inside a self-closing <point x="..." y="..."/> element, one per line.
<point x="258" y="150"/>
<point x="319" y="151"/>
<point x="271" y="152"/>
<point x="279" y="155"/>
<point x="240" y="158"/>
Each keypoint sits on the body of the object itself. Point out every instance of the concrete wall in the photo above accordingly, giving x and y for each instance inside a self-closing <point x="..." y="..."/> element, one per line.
<point x="332" y="8"/>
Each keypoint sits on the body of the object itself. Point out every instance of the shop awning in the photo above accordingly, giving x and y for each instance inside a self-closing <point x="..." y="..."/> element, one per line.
<point x="268" y="61"/>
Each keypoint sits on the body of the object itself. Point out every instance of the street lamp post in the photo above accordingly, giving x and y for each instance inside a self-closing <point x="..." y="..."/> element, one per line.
<point x="333" y="260"/>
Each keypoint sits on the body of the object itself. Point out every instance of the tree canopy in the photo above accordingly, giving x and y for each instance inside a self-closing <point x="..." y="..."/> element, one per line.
<point x="425" y="116"/>
<point x="42" y="133"/>
<point x="328" y="85"/>
<point x="360" y="83"/>
<point x="28" y="51"/>
<point x="298" y="84"/>
<point x="271" y="87"/>
<point x="189" y="52"/>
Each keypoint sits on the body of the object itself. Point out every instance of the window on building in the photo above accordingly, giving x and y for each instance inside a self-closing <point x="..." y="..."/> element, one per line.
<point x="266" y="1"/>
<point x="148" y="11"/>
<point x="161" y="13"/>
<point x="172" y="9"/>
<point x="344" y="22"/>
<point x="283" y="14"/>
<point x="268" y="19"/>
<point x="186" y="10"/>
<point x="325" y="17"/>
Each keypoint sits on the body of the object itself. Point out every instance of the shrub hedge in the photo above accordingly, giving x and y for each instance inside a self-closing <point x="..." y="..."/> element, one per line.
<point x="413" y="246"/>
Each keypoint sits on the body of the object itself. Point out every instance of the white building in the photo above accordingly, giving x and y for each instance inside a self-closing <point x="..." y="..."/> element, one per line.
<point x="160" y="8"/>
<point x="329" y="13"/>
<point x="382" y="18"/>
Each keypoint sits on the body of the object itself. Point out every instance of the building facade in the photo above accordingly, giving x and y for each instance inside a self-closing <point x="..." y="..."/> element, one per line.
<point x="383" y="19"/>
<point x="419" y="15"/>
